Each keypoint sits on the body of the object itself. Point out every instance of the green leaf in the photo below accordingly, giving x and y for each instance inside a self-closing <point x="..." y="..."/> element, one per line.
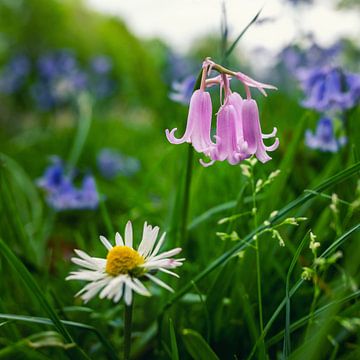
<point x="174" y="347"/>
<point x="45" y="321"/>
<point x="197" y="347"/>
<point x="242" y="33"/>
<point x="302" y="199"/>
<point x="35" y="290"/>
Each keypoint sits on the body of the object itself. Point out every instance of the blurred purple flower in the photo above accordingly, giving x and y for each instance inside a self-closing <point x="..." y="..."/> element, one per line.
<point x="329" y="88"/>
<point x="182" y="91"/>
<point x="101" y="64"/>
<point x="61" y="193"/>
<point x="324" y="138"/>
<point x="60" y="80"/>
<point x="111" y="163"/>
<point x="14" y="74"/>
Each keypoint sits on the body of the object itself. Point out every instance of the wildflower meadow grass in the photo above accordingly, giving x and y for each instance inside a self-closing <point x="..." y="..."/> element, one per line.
<point x="164" y="206"/>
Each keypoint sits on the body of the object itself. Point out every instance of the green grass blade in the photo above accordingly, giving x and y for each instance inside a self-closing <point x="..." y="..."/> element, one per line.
<point x="242" y="33"/>
<point x="197" y="347"/>
<point x="174" y="347"/>
<point x="287" y="342"/>
<point x="303" y="321"/>
<point x="222" y="259"/>
<point x="45" y="321"/>
<point x="293" y="290"/>
<point x="35" y="290"/>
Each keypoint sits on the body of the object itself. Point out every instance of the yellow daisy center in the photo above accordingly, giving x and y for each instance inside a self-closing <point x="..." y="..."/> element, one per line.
<point x="123" y="260"/>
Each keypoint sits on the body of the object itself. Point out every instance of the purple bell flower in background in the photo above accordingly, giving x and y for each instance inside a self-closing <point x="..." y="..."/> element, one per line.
<point x="101" y="64"/>
<point x="112" y="163"/>
<point x="329" y="88"/>
<point x="324" y="138"/>
<point x="62" y="194"/>
<point x="14" y="74"/>
<point x="182" y="91"/>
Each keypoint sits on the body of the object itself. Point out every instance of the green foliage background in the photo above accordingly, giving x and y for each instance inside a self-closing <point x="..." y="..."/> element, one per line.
<point x="217" y="316"/>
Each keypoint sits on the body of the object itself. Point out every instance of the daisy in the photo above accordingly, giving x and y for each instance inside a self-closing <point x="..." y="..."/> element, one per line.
<point x="119" y="274"/>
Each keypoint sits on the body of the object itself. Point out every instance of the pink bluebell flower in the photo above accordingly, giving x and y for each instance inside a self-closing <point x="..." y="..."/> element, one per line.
<point x="252" y="132"/>
<point x="238" y="130"/>
<point x="199" y="120"/>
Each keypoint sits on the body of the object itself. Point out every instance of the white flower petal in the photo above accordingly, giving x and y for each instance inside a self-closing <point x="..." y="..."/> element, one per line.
<point x="117" y="296"/>
<point x="128" y="236"/>
<point x="106" y="242"/>
<point x="158" y="246"/>
<point x="113" y="284"/>
<point x="118" y="240"/>
<point x="166" y="254"/>
<point x="137" y="286"/>
<point x="159" y="282"/>
<point x="128" y="294"/>
<point x="169" y="272"/>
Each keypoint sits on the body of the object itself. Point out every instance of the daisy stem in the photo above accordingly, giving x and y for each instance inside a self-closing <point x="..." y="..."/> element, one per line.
<point x="127" y="330"/>
<point x="258" y="269"/>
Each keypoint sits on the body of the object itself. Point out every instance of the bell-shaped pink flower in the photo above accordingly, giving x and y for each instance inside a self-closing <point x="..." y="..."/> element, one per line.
<point x="236" y="100"/>
<point x="252" y="132"/>
<point x="228" y="145"/>
<point x="198" y="123"/>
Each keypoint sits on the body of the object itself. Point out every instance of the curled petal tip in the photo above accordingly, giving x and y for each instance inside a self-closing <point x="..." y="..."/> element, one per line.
<point x="171" y="137"/>
<point x="205" y="164"/>
<point x="272" y="134"/>
<point x="274" y="146"/>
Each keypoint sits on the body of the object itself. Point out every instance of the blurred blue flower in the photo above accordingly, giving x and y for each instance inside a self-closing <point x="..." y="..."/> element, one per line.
<point x="61" y="193"/>
<point x="112" y="163"/>
<point x="14" y="74"/>
<point x="183" y="90"/>
<point x="329" y="88"/>
<point x="100" y="64"/>
<point x="60" y="79"/>
<point x="295" y="58"/>
<point x="324" y="137"/>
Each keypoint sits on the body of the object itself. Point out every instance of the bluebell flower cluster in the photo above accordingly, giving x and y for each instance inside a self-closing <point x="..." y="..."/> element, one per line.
<point x="329" y="88"/>
<point x="62" y="194"/>
<point x="324" y="137"/>
<point x="57" y="78"/>
<point x="112" y="163"/>
<point x="14" y="74"/>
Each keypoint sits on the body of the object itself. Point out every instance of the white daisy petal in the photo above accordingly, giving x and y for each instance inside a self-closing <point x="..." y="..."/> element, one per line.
<point x="169" y="272"/>
<point x="167" y="254"/>
<point x="128" y="236"/>
<point x="112" y="284"/>
<point x="159" y="282"/>
<point x="119" y="293"/>
<point x="137" y="286"/>
<point x="158" y="245"/>
<point x="128" y="294"/>
<point x="106" y="242"/>
<point x="118" y="240"/>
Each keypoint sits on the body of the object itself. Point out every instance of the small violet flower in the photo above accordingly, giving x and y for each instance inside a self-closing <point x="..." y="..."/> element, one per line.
<point x="112" y="163"/>
<point x="324" y="137"/>
<point x="329" y="88"/>
<point x="61" y="193"/>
